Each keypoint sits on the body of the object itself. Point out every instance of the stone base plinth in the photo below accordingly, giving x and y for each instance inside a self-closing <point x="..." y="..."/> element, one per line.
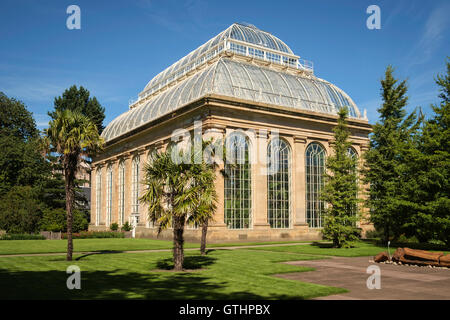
<point x="220" y="233"/>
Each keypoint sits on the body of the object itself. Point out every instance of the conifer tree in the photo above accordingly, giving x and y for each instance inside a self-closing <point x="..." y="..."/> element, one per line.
<point x="383" y="162"/>
<point x="429" y="167"/>
<point x="341" y="189"/>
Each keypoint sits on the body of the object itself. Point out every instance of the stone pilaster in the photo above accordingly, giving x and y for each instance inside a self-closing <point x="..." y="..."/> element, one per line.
<point x="259" y="184"/>
<point x="299" y="181"/>
<point x="127" y="182"/>
<point x="93" y="195"/>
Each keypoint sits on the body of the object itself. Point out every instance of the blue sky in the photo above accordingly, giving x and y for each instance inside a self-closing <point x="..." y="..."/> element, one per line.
<point x="123" y="44"/>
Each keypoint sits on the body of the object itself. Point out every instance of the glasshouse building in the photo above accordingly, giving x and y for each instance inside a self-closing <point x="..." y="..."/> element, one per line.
<point x="245" y="87"/>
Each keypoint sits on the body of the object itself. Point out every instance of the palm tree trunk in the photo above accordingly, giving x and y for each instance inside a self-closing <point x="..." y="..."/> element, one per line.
<point x="69" y="175"/>
<point x="178" y="241"/>
<point x="203" y="243"/>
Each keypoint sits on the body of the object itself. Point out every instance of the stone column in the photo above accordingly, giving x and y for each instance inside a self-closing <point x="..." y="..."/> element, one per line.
<point x="94" y="221"/>
<point x="116" y="186"/>
<point x="103" y="196"/>
<point x="259" y="177"/>
<point x="106" y="172"/>
<point x="115" y="191"/>
<point x="127" y="187"/>
<point x="299" y="181"/>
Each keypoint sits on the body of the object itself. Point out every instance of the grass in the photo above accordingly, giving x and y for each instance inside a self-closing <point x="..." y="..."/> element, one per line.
<point x="222" y="274"/>
<point x="361" y="249"/>
<point x="84" y="245"/>
<point x="109" y="244"/>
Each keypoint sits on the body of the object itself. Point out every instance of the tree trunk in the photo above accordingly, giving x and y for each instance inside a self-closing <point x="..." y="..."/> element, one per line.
<point x="178" y="241"/>
<point x="203" y="242"/>
<point x="69" y="177"/>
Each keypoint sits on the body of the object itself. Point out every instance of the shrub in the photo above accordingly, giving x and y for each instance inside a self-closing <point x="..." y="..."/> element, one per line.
<point x="21" y="236"/>
<point x="94" y="234"/>
<point x="56" y="220"/>
<point x="80" y="221"/>
<point x="126" y="226"/>
<point x="114" y="226"/>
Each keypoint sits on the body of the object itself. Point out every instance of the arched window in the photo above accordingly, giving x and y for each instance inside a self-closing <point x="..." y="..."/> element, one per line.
<point x="122" y="192"/>
<point x="151" y="154"/>
<point x="135" y="186"/>
<point x="278" y="184"/>
<point x="315" y="166"/>
<point x="109" y="177"/>
<point x="98" y="196"/>
<point x="352" y="152"/>
<point x="238" y="189"/>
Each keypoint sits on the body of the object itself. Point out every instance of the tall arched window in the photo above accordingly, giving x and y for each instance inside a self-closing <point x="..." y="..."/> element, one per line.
<point x="98" y="196"/>
<point x="315" y="166"/>
<point x="122" y="192"/>
<point x="109" y="178"/>
<point x="278" y="184"/>
<point x="238" y="189"/>
<point x="135" y="186"/>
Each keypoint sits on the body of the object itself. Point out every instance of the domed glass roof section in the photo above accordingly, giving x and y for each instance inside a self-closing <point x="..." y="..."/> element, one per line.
<point x="239" y="32"/>
<point x="236" y="69"/>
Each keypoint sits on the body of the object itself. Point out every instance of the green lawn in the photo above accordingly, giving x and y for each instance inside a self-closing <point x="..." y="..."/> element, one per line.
<point x="112" y="244"/>
<point x="222" y="274"/>
<point x="361" y="249"/>
<point x="83" y="245"/>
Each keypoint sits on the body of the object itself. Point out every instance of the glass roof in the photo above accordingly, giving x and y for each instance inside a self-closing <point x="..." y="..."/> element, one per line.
<point x="237" y="79"/>
<point x="246" y="33"/>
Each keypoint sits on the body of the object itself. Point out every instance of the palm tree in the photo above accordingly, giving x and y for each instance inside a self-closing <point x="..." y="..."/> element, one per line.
<point x="176" y="194"/>
<point x="73" y="136"/>
<point x="204" y="176"/>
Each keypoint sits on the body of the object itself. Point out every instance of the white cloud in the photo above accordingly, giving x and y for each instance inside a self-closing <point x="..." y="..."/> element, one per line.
<point x="432" y="35"/>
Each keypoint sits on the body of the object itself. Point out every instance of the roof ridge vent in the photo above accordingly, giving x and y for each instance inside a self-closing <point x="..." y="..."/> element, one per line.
<point x="249" y="25"/>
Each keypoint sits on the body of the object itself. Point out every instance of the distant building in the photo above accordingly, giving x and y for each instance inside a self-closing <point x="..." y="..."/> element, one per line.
<point x="246" y="87"/>
<point x="84" y="176"/>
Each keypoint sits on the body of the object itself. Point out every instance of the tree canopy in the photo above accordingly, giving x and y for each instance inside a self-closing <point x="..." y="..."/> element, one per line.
<point x="78" y="99"/>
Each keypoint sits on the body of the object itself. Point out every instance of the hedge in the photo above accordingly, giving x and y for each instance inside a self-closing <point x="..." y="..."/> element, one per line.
<point x="21" y="236"/>
<point x="95" y="234"/>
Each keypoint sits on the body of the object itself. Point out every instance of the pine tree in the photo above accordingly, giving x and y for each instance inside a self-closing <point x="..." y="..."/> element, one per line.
<point x="341" y="189"/>
<point x="383" y="162"/>
<point x="430" y="218"/>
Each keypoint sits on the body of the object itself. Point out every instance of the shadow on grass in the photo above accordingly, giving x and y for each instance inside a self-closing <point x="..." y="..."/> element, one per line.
<point x="190" y="262"/>
<point x="115" y="284"/>
<point x="322" y="244"/>
<point x="98" y="252"/>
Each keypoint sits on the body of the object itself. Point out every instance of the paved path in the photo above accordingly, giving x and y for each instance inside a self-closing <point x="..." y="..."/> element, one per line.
<point x="151" y="250"/>
<point x="397" y="281"/>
